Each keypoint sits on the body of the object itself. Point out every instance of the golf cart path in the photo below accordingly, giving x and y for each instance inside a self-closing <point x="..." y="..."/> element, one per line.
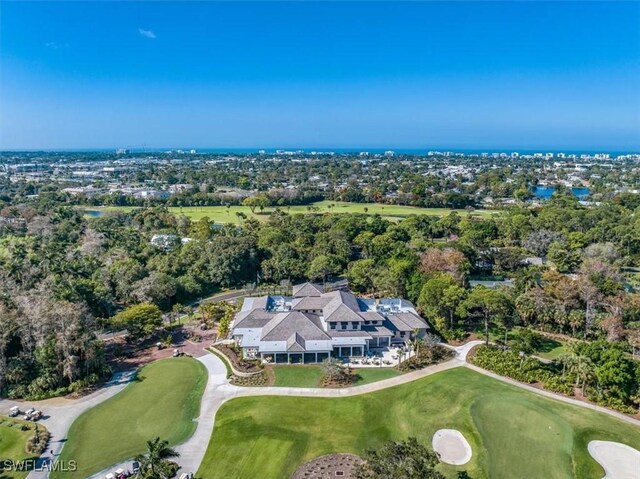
<point x="60" y="413"/>
<point x="219" y="390"/>
<point x="463" y="351"/>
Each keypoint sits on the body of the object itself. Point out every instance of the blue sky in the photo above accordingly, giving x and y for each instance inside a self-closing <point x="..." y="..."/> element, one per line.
<point x="521" y="75"/>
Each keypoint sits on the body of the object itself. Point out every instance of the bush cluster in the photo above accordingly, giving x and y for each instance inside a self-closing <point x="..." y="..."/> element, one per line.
<point x="425" y="357"/>
<point x="524" y="369"/>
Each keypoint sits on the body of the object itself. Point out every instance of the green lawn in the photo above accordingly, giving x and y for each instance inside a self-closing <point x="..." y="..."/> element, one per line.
<point x="513" y="433"/>
<point x="222" y="214"/>
<point x="309" y="376"/>
<point x="551" y="348"/>
<point x="297" y="376"/>
<point x="371" y="375"/>
<point x="162" y="402"/>
<point x="12" y="443"/>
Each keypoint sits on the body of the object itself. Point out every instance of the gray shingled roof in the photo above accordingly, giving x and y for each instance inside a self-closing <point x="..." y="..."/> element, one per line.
<point x="295" y="343"/>
<point x="342" y="333"/>
<point x="375" y="331"/>
<point x="342" y="313"/>
<point x="309" y="302"/>
<point x="254" y="318"/>
<point x="406" y="321"/>
<point x="307" y="289"/>
<point x="261" y="302"/>
<point x="283" y="325"/>
<point x="372" y="316"/>
<point x="342" y="307"/>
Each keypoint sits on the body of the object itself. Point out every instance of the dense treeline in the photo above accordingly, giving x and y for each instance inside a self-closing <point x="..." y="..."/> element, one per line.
<point x="65" y="276"/>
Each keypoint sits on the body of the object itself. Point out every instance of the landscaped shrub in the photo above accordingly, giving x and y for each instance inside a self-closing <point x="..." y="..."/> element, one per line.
<point x="37" y="443"/>
<point x="521" y="368"/>
<point x="611" y="402"/>
<point x="556" y="383"/>
<point x="507" y="363"/>
<point x="457" y="334"/>
<point x="234" y="355"/>
<point x="260" y="379"/>
<point x="335" y="374"/>
<point x="425" y="357"/>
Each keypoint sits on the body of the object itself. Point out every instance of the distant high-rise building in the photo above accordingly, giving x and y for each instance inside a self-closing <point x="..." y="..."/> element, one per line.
<point x="515" y="154"/>
<point x="122" y="151"/>
<point x="192" y="151"/>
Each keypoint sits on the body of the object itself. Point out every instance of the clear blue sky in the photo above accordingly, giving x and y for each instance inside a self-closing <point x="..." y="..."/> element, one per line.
<point x="519" y="75"/>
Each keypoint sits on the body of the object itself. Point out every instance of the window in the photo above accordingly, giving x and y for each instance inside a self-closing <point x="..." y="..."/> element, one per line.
<point x="344" y="325"/>
<point x="354" y="324"/>
<point x="332" y="325"/>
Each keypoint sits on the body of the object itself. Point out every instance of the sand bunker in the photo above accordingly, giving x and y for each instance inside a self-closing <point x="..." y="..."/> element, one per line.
<point x="619" y="461"/>
<point x="451" y="447"/>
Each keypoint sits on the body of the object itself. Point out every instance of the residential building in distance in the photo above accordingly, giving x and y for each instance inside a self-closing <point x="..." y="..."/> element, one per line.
<point x="312" y="325"/>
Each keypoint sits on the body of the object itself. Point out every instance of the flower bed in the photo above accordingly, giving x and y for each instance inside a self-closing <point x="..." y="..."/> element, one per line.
<point x="425" y="357"/>
<point x="240" y="364"/>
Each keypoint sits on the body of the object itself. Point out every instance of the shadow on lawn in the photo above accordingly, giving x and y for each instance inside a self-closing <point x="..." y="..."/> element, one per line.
<point x="546" y="344"/>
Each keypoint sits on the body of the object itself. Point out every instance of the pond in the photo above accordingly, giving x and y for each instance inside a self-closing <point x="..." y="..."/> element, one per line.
<point x="94" y="213"/>
<point x="545" y="192"/>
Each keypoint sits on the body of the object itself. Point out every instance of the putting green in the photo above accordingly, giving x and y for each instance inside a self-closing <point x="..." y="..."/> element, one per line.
<point x="162" y="402"/>
<point x="513" y="433"/>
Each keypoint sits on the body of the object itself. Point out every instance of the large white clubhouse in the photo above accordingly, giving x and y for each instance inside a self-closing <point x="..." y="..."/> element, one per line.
<point x="312" y="325"/>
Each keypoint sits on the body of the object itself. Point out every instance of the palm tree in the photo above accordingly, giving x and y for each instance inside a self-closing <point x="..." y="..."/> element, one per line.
<point x="583" y="368"/>
<point x="155" y="464"/>
<point x="416" y="343"/>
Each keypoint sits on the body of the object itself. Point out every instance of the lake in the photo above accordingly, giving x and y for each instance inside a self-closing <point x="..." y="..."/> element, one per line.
<point x="545" y="192"/>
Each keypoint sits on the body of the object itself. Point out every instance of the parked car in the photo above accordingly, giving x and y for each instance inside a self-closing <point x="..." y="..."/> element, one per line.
<point x="14" y="411"/>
